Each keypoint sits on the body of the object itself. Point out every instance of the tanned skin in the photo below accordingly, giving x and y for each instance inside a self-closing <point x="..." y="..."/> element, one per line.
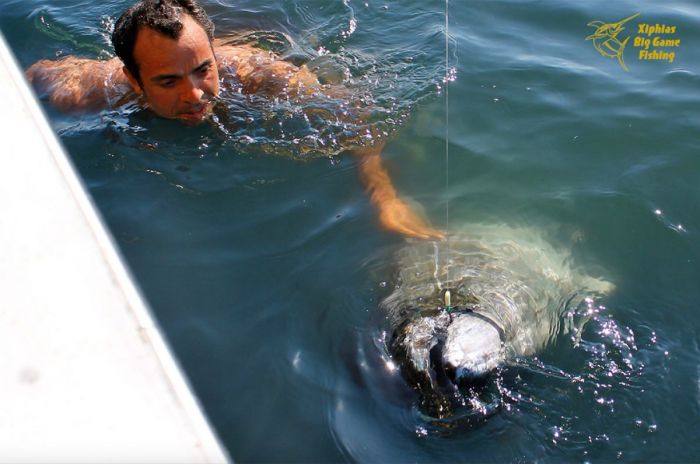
<point x="179" y="78"/>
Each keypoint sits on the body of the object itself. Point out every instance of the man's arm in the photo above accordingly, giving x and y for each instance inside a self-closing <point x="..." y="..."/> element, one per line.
<point x="394" y="213"/>
<point x="260" y="71"/>
<point x="79" y="84"/>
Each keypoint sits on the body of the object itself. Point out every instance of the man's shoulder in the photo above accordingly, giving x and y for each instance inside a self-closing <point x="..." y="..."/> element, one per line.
<point x="228" y="54"/>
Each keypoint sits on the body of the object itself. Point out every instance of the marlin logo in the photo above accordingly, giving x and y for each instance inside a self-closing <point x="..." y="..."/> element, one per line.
<point x="605" y="39"/>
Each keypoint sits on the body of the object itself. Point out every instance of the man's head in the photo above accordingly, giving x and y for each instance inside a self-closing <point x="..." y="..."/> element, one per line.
<point x="165" y="46"/>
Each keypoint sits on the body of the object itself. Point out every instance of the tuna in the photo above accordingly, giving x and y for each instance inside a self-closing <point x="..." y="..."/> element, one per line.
<point x="509" y="291"/>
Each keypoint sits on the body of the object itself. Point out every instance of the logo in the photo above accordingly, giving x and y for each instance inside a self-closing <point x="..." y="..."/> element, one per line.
<point x="655" y="42"/>
<point x="605" y="39"/>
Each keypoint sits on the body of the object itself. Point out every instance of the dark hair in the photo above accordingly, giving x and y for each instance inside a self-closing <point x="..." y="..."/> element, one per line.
<point x="163" y="16"/>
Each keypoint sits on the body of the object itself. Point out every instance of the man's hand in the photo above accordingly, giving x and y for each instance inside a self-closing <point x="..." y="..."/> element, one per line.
<point x="396" y="215"/>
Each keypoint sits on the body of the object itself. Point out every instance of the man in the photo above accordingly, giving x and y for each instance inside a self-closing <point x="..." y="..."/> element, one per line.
<point x="169" y="62"/>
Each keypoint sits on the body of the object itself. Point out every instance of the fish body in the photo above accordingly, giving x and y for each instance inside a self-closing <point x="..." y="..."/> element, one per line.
<point x="508" y="289"/>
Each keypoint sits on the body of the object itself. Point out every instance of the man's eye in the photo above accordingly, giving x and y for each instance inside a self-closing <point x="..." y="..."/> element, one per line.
<point x="167" y="84"/>
<point x="203" y="71"/>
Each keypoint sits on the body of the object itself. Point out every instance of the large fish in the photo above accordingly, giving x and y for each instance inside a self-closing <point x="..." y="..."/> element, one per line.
<point x="509" y="290"/>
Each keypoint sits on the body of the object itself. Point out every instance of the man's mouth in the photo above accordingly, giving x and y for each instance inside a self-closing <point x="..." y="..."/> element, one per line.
<point x="196" y="114"/>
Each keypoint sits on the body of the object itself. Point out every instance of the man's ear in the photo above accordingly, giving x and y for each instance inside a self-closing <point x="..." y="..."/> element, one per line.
<point x="132" y="80"/>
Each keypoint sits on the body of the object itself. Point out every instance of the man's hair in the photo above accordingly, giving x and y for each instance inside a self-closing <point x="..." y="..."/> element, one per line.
<point x="163" y="16"/>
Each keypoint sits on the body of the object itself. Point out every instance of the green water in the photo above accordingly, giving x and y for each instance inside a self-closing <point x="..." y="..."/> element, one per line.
<point x="266" y="271"/>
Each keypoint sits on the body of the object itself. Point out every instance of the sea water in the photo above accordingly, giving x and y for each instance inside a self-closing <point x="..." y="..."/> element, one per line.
<point x="265" y="266"/>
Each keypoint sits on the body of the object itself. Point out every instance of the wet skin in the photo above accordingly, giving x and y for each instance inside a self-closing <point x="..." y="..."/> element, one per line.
<point x="178" y="78"/>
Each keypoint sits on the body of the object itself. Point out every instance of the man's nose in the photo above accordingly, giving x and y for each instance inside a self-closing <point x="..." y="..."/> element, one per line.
<point x="192" y="92"/>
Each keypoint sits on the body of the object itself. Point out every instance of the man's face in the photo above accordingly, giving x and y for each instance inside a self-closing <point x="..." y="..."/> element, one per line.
<point x="179" y="78"/>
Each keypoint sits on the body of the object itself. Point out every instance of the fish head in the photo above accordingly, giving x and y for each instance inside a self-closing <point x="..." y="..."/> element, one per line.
<point x="440" y="352"/>
<point x="473" y="347"/>
<point x="416" y="345"/>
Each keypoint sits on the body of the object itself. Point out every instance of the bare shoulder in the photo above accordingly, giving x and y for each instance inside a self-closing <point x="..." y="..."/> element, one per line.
<point x="261" y="71"/>
<point x="71" y="67"/>
<point x="234" y="55"/>
<point x="78" y="84"/>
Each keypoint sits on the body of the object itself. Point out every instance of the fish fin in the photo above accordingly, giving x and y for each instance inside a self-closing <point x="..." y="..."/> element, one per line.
<point x="599" y="286"/>
<point x="621" y="60"/>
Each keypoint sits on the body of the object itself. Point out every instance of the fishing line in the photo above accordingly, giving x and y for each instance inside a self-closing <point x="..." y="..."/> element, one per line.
<point x="447" y="136"/>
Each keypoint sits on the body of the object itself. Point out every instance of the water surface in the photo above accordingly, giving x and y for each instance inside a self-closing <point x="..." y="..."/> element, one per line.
<point x="265" y="267"/>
